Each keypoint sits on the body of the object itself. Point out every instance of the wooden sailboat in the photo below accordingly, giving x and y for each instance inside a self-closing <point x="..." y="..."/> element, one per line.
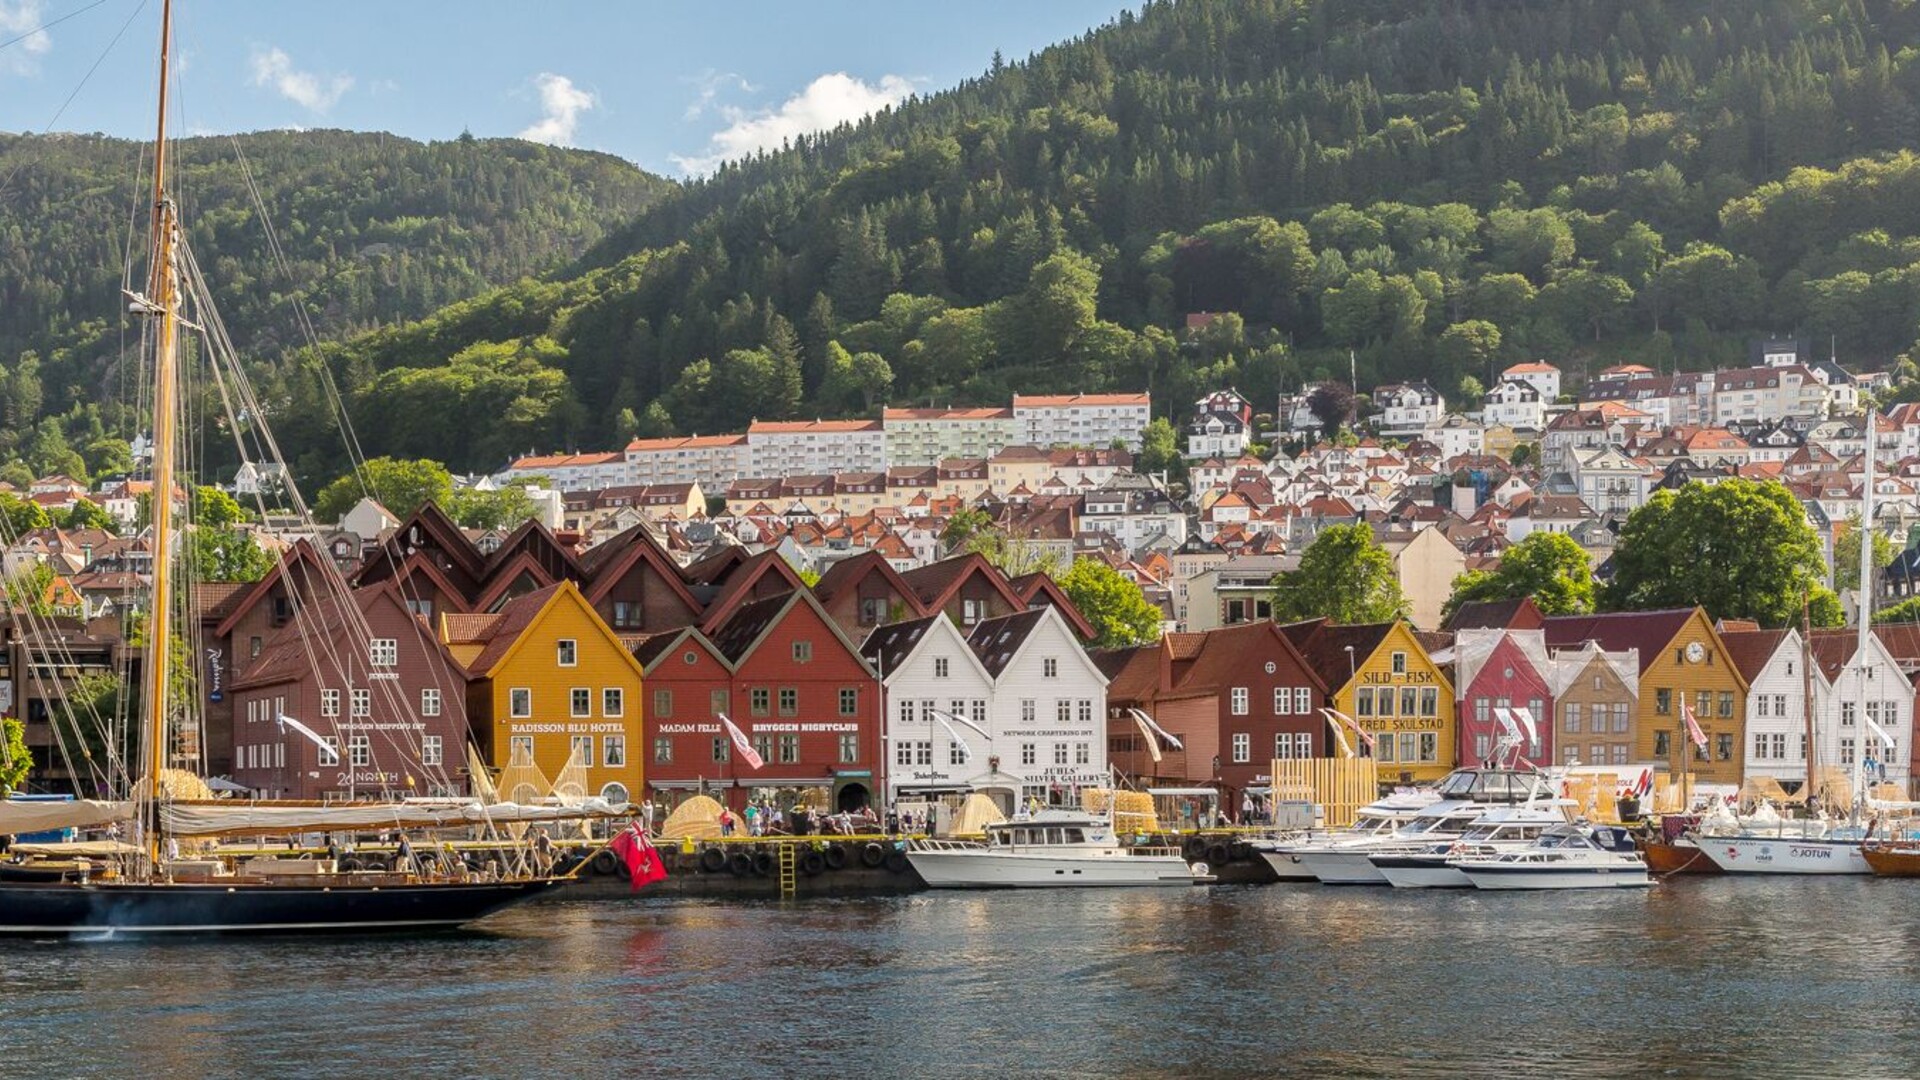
<point x="150" y="897"/>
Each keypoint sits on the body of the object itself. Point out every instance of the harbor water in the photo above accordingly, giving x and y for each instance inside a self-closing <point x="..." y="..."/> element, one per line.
<point x="1715" y="976"/>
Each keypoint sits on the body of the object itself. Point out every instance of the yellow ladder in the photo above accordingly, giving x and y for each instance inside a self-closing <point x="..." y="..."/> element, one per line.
<point x="788" y="861"/>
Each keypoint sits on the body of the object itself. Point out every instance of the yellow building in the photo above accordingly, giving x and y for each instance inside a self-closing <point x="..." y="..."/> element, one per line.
<point x="1682" y="659"/>
<point x="552" y="682"/>
<point x="1387" y="683"/>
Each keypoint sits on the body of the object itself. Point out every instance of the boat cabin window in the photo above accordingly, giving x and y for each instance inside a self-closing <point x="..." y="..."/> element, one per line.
<point x="1055" y="836"/>
<point x="1076" y="836"/>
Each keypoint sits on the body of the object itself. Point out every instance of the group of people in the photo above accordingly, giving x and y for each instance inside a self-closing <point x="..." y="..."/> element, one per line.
<point x="761" y="818"/>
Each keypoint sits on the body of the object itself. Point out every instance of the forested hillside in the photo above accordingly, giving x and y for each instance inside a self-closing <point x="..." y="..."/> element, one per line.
<point x="1438" y="186"/>
<point x="376" y="229"/>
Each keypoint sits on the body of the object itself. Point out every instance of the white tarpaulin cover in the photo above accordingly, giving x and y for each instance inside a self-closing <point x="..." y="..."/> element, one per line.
<point x="227" y="819"/>
<point x="30" y="817"/>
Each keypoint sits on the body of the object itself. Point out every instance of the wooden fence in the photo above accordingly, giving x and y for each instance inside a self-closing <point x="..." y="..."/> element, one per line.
<point x="1339" y="786"/>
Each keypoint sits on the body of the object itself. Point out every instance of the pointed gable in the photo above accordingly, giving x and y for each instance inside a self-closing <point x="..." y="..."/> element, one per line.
<point x="1039" y="588"/>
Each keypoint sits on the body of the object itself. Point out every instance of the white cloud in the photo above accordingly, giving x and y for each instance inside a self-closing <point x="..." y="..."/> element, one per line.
<point x="316" y="93"/>
<point x="707" y="86"/>
<point x="17" y="17"/>
<point x="826" y="103"/>
<point x="561" y="104"/>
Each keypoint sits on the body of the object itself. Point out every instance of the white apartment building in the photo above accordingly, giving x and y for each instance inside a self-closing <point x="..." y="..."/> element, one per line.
<point x="1407" y="408"/>
<point x="1515" y="404"/>
<point x="712" y="461"/>
<point x="1768" y="394"/>
<point x="928" y="436"/>
<point x="1610" y="481"/>
<point x="815" y="447"/>
<point x="570" y="472"/>
<point x="1538" y="374"/>
<point x="1082" y="419"/>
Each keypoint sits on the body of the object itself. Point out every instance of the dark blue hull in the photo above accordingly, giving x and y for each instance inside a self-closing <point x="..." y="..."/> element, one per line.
<point x="242" y="908"/>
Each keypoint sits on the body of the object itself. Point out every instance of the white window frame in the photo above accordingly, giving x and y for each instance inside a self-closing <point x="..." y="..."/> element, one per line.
<point x="360" y="750"/>
<point x="329" y="703"/>
<point x="520" y="702"/>
<point x="613" y="702"/>
<point x="430" y="750"/>
<point x="575" y="695"/>
<point x="1239" y="701"/>
<point x="566" y="652"/>
<point x="330" y="753"/>
<point x="362" y="701"/>
<point x="429" y="701"/>
<point x="383" y="652"/>
<point x="1242" y="748"/>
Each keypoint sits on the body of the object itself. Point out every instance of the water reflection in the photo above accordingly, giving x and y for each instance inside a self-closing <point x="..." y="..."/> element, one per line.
<point x="1713" y="977"/>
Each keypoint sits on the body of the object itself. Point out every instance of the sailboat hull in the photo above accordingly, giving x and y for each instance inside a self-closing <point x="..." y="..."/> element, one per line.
<point x="115" y="909"/>
<point x="1784" y="855"/>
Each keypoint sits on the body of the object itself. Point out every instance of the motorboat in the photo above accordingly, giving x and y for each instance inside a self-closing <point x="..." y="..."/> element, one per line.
<point x="1503" y="828"/>
<point x="1374" y="819"/>
<point x="1053" y="849"/>
<point x="1564" y="857"/>
<point x="1349" y="862"/>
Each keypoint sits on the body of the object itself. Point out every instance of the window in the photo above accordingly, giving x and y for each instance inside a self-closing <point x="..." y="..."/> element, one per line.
<point x="662" y="703"/>
<point x="1283" y="746"/>
<point x="520" y="748"/>
<point x="1482" y="711"/>
<point x="1027" y="711"/>
<point x="1570" y="717"/>
<point x="430" y="750"/>
<point x="520" y="702"/>
<point x="1059" y="753"/>
<point x="567" y="652"/>
<point x="330" y="753"/>
<point x="1029" y="753"/>
<point x="763" y="745"/>
<point x="903" y="753"/>
<point x="956" y="754"/>
<point x="1242" y="748"/>
<point x="803" y="652"/>
<point x="1846" y="751"/>
<point x="789" y="701"/>
<point x="580" y="702"/>
<point x="1409" y="700"/>
<point x="1282" y="701"/>
<point x="1620" y="754"/>
<point x="1302" y="745"/>
<point x="1663" y="744"/>
<point x="849" y="748"/>
<point x="1383" y="749"/>
<point x="1303" y="700"/>
<point x="1384" y="701"/>
<point x="429" y="701"/>
<point x="1363" y="701"/>
<point x="580" y="748"/>
<point x="1726" y="703"/>
<point x="923" y="753"/>
<point x="1050" y="668"/>
<point x="850" y="701"/>
<point x="1063" y="711"/>
<point x="760" y="701"/>
<point x="980" y="711"/>
<point x="329" y="703"/>
<point x="1399" y="663"/>
<point x="1430" y="701"/>
<point x="871" y="610"/>
<point x="1239" y="701"/>
<point x="383" y="652"/>
<point x="1599" y="754"/>
<point x="614" y="751"/>
<point x="1082" y="753"/>
<point x="1621" y="718"/>
<point x="613" y="702"/>
<point x="717" y="702"/>
<point x="360" y="750"/>
<point x="1086" y="712"/>
<point x="1702" y="704"/>
<point x="363" y="702"/>
<point x="940" y="667"/>
<point x="1663" y="701"/>
<point x="626" y="615"/>
<point x="1429" y="746"/>
<point x="253" y="647"/>
<point x="663" y="749"/>
<point x="789" y="749"/>
<point x="1760" y="744"/>
<point x="1849" y="713"/>
<point x="1482" y="743"/>
<point x="1570" y="753"/>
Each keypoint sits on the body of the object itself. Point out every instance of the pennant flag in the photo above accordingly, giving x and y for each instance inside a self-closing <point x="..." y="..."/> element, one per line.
<point x="747" y="753"/>
<point x="1532" y="726"/>
<point x="1153" y="742"/>
<point x="644" y="865"/>
<point x="962" y="721"/>
<point x="1157" y="729"/>
<point x="1505" y="716"/>
<point x="1879" y="732"/>
<point x="1337" y="718"/>
<point x="966" y="752"/>
<point x="1339" y="736"/>
<point x="289" y="722"/>
<point x="1693" y="727"/>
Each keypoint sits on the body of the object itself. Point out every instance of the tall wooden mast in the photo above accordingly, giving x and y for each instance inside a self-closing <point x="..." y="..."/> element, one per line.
<point x="162" y="300"/>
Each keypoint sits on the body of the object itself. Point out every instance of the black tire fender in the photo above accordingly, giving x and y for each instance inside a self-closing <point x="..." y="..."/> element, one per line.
<point x="873" y="856"/>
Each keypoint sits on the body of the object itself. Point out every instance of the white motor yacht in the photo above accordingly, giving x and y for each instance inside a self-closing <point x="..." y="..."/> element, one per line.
<point x="1348" y="862"/>
<point x="1372" y="820"/>
<point x="1564" y="857"/>
<point x="1503" y="828"/>
<point x="1051" y="850"/>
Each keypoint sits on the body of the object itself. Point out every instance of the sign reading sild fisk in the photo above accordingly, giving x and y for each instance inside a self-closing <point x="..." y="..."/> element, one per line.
<point x="214" y="692"/>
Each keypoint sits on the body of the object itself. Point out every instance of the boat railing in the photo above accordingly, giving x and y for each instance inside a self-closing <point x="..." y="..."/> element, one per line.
<point x="930" y="844"/>
<point x="1152" y="849"/>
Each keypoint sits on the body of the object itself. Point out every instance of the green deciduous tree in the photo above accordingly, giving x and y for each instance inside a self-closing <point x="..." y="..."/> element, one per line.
<point x="500" y="509"/>
<point x="16" y="761"/>
<point x="1118" y="610"/>
<point x="1739" y="548"/>
<point x="19" y="515"/>
<point x="226" y="555"/>
<point x="86" y="514"/>
<point x="1549" y="567"/>
<point x="1846" y="554"/>
<point x="402" y="486"/>
<point x="1344" y="575"/>
<point x="214" y="508"/>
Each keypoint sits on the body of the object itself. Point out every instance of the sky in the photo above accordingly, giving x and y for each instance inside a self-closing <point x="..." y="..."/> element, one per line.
<point x="673" y="87"/>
